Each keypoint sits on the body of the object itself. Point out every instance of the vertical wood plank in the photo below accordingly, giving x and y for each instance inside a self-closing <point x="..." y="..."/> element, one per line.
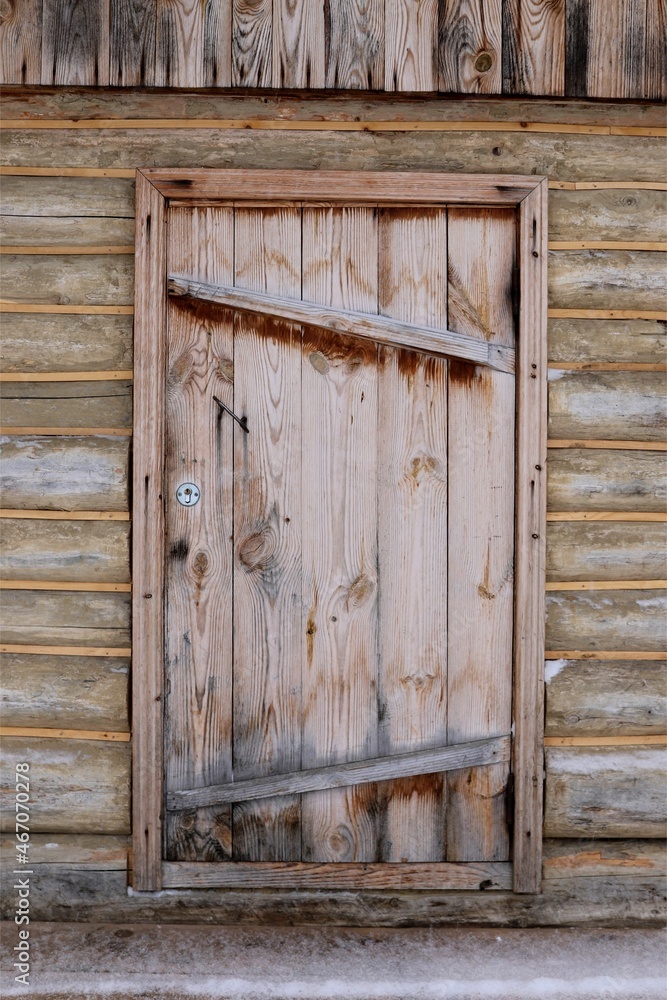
<point x="339" y="509"/>
<point x="470" y="46"/>
<point x="132" y="43"/>
<point x="655" y="73"/>
<point x="21" y="42"/>
<point x="148" y="533"/>
<point x="298" y="43"/>
<point x="533" y="47"/>
<point x="75" y="43"/>
<point x="605" y="48"/>
<point x="481" y="252"/>
<point x="354" y="44"/>
<point x="412" y="532"/>
<point x="252" y="43"/>
<point x="198" y="660"/>
<point x="193" y="47"/>
<point x="411" y="45"/>
<point x="530" y="550"/>
<point x="267" y="544"/>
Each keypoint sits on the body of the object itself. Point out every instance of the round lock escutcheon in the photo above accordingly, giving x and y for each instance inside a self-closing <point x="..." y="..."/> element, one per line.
<point x="188" y="494"/>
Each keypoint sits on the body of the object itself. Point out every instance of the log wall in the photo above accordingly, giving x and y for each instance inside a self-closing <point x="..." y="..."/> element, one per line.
<point x="66" y="215"/>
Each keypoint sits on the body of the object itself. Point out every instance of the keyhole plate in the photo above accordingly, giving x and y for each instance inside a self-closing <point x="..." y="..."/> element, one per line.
<point x="188" y="494"/>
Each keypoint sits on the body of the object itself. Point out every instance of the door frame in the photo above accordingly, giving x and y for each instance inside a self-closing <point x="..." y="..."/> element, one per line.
<point x="156" y="190"/>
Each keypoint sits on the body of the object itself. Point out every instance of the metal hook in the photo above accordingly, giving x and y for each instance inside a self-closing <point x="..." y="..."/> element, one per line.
<point x="241" y="421"/>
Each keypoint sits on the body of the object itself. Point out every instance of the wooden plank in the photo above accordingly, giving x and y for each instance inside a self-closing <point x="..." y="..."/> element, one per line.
<point x="20" y="647"/>
<point x="608" y="585"/>
<point x="132" y="26"/>
<point x="66" y="515"/>
<point x="606" y="515"/>
<point x="64" y="474"/>
<point x="341" y="876"/>
<point x="412" y="531"/>
<point x="470" y="48"/>
<point x="533" y="47"/>
<point x="355" y="45"/>
<point x="616" y="48"/>
<point x="613" y="698"/>
<point x="62" y="197"/>
<point x="609" y="366"/>
<point x="607" y="215"/>
<point x="73" y="235"/>
<point x="77" y="406"/>
<point x="608" y="245"/>
<point x="656" y="314"/>
<point x="606" y="481"/>
<point x="298" y="44"/>
<point x="605" y="741"/>
<point x="267" y="520"/>
<point x="65" y="280"/>
<point x="481" y="408"/>
<point x="474" y="753"/>
<point x="339" y="511"/>
<point x="411" y="46"/>
<point x="64" y="734"/>
<point x="91" y="851"/>
<point x="604" y="654"/>
<point x="198" y="585"/>
<point x="606" y="278"/>
<point x="59" y="798"/>
<point x="78" y="693"/>
<point x="563" y="858"/>
<point x="608" y="405"/>
<point x="46" y="249"/>
<point x="655" y="62"/>
<point x="44" y="344"/>
<point x="21" y="42"/>
<point x="252" y="45"/>
<point x="103" y="588"/>
<point x="193" y="44"/>
<point x="588" y="341"/>
<point x="390" y="332"/>
<point x="605" y="792"/>
<point x="148" y="536"/>
<point x="20" y="307"/>
<point x="75" y="44"/>
<point x="614" y="445"/>
<point x="65" y="376"/>
<point x="597" y="620"/>
<point x="67" y="431"/>
<point x="600" y="550"/>
<point x="65" y="551"/>
<point x="64" y="618"/>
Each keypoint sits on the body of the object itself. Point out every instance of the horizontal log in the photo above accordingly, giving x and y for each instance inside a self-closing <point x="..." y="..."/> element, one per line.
<point x="606" y="585"/>
<point x="601" y="550"/>
<point x="63" y="198"/>
<point x="29" y="648"/>
<point x="432" y="761"/>
<point x="65" y="310"/>
<point x="626" y="698"/>
<point x="70" y="851"/>
<point x="561" y="157"/>
<point x="605" y="792"/>
<point x="75" y="785"/>
<point x="601" y="654"/>
<point x="71" y="473"/>
<point x="68" y="280"/>
<point x="75" y="231"/>
<point x="607" y="215"/>
<point x="45" y="732"/>
<point x="582" y="479"/>
<point x="604" y="515"/>
<point x="65" y="515"/>
<point x="76" y="692"/>
<point x="67" y="343"/>
<point x="631" y="341"/>
<point x="605" y="741"/>
<point x="605" y="279"/>
<point x="565" y="858"/>
<point x="608" y="445"/>
<point x="608" y="405"/>
<point x="67" y="404"/>
<point x="603" y="619"/>
<point x="379" y="329"/>
<point x="63" y="618"/>
<point x="65" y="550"/>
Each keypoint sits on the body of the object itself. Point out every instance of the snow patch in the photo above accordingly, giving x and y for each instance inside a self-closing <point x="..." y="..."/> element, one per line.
<point x="552" y="668"/>
<point x="553" y="374"/>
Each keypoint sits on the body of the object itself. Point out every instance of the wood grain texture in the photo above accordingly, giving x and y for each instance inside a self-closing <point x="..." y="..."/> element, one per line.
<point x="198" y="587"/>
<point x="612" y="698"/>
<point x="132" y="25"/>
<point x="470" y="46"/>
<point x="75" y="44"/>
<point x="355" y="44"/>
<point x="61" y="797"/>
<point x="64" y="618"/>
<point x="481" y="407"/>
<point x="63" y="197"/>
<point x="605" y="792"/>
<point x="533" y="47"/>
<point x="252" y="46"/>
<point x="411" y="45"/>
<point x="609" y="857"/>
<point x="193" y="44"/>
<point x="28" y="232"/>
<point x="66" y="404"/>
<point x="78" y="692"/>
<point x="95" y="851"/>
<point x="607" y="215"/>
<point x="298" y="45"/>
<point x="655" y="65"/>
<point x="589" y="480"/>
<point x="68" y="280"/>
<point x="618" y="341"/>
<point x="580" y="550"/>
<point x="605" y="279"/>
<point x="267" y="545"/>
<point x="65" y="551"/>
<point x="607" y="405"/>
<point x="599" y="620"/>
<point x="21" y="42"/>
<point x="339" y="510"/>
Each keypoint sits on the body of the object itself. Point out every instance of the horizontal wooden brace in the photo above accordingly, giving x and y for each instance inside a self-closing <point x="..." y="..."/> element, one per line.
<point x="657" y="314"/>
<point x="124" y="375"/>
<point x="60" y="250"/>
<point x="610" y="445"/>
<point x="608" y="585"/>
<point x="604" y="185"/>
<point x="379" y="329"/>
<point x="57" y="309"/>
<point x="603" y="654"/>
<point x="451" y="758"/>
<point x="606" y="245"/>
<point x="66" y="515"/>
<point x="102" y="588"/>
<point x="20" y="647"/>
<point x="65" y="734"/>
<point x="605" y="741"/>
<point x="607" y="515"/>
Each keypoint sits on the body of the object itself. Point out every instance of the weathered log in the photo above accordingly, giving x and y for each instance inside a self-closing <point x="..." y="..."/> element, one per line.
<point x="67" y="404"/>
<point x="74" y="785"/>
<point x="71" y="551"/>
<point x="598" y="550"/>
<point x="79" y="279"/>
<point x="65" y="618"/>
<point x="567" y="858"/>
<point x="607" y="279"/>
<point x="75" y="473"/>
<point x="629" y="406"/>
<point x="51" y="343"/>
<point x="607" y="619"/>
<point x="624" y="214"/>
<point x="605" y="698"/>
<point x="70" y="851"/>
<point x="591" y="480"/>
<point x="68" y="692"/>
<point x="605" y="792"/>
<point x="65" y="197"/>
<point x="633" y="341"/>
<point x="75" y="231"/>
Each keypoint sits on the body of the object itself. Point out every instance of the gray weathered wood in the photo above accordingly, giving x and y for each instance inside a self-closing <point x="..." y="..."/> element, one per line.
<point x="252" y="49"/>
<point x="70" y="692"/>
<point x="70" y="851"/>
<point x="606" y="698"/>
<point x="74" y="473"/>
<point x="17" y="231"/>
<point x="581" y="550"/>
<point x="75" y="44"/>
<point x="606" y="480"/>
<point x="355" y="44"/>
<point x="633" y="341"/>
<point x="605" y="48"/>
<point x="62" y="197"/>
<point x="68" y="279"/>
<point x="605" y="792"/>
<point x="473" y="754"/>
<point x="566" y="858"/>
<point x="533" y="47"/>
<point x="389" y="332"/>
<point x="621" y="406"/>
<point x="80" y="785"/>
<point x="193" y="45"/>
<point x="298" y="44"/>
<point x="607" y="279"/>
<point x="132" y="43"/>
<point x="655" y="68"/>
<point x="470" y="46"/>
<point x="65" y="618"/>
<point x="611" y="619"/>
<point x="66" y="404"/>
<point x="85" y="551"/>
<point x="411" y="45"/>
<point x="616" y="214"/>
<point x="47" y="343"/>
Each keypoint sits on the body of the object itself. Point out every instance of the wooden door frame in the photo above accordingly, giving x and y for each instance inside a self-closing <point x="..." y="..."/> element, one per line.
<point x="156" y="190"/>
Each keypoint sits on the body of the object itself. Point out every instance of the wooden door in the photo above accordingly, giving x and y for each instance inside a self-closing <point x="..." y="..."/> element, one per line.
<point x="339" y="604"/>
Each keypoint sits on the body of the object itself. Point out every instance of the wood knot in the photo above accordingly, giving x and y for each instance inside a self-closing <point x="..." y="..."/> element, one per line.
<point x="360" y="591"/>
<point x="200" y="563"/>
<point x="484" y="62"/>
<point x="256" y="551"/>
<point x="319" y="362"/>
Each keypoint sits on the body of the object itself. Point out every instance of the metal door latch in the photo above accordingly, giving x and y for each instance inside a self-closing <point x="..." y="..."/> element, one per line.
<point x="188" y="494"/>
<point x="241" y="421"/>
